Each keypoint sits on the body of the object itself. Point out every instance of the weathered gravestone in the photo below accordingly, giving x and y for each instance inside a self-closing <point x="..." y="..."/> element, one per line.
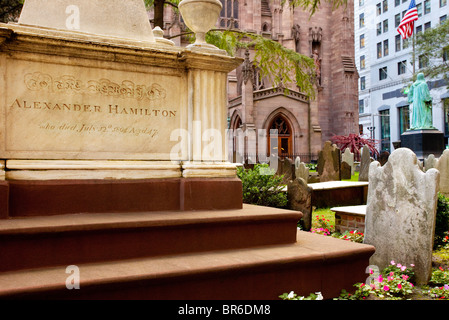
<point x="365" y="162"/>
<point x="345" y="170"/>
<point x="329" y="163"/>
<point x="430" y="162"/>
<point x="401" y="213"/>
<point x="348" y="157"/>
<point x="301" y="170"/>
<point x="442" y="165"/>
<point x="299" y="196"/>
<point x="286" y="168"/>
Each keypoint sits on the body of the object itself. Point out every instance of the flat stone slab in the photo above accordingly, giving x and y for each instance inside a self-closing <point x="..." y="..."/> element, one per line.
<point x="356" y="210"/>
<point x="336" y="185"/>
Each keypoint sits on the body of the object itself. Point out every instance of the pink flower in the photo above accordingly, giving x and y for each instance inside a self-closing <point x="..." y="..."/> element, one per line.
<point x="392" y="262"/>
<point x="380" y="278"/>
<point x="371" y="271"/>
<point x="391" y="274"/>
<point x="399" y="265"/>
<point x="386" y="288"/>
<point x="389" y="278"/>
<point x="404" y="276"/>
<point x="412" y="265"/>
<point x="403" y="268"/>
<point x="399" y="286"/>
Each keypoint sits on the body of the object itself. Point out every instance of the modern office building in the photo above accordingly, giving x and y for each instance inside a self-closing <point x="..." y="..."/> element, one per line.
<point x="385" y="65"/>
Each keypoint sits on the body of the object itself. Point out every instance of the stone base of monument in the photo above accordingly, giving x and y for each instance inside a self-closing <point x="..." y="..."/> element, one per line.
<point x="52" y="197"/>
<point x="251" y="253"/>
<point x="423" y="142"/>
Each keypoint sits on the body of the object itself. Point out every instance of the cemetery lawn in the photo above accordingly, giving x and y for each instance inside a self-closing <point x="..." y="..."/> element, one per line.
<point x="354" y="177"/>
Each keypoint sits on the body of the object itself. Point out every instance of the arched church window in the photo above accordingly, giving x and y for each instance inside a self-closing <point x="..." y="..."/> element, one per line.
<point x="258" y="82"/>
<point x="229" y="14"/>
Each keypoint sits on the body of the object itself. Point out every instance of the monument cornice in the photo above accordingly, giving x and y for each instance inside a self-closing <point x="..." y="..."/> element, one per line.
<point x="5" y="34"/>
<point x="80" y="45"/>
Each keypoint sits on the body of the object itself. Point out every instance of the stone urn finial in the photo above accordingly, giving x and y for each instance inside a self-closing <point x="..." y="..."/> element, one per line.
<point x="200" y="16"/>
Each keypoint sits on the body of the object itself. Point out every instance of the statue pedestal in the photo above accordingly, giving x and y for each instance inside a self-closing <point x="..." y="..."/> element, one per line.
<point x="423" y="142"/>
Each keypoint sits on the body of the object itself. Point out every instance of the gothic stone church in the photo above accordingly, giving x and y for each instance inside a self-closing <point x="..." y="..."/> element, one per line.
<point x="255" y="106"/>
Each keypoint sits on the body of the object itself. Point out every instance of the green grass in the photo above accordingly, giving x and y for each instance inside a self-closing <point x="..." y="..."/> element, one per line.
<point x="325" y="213"/>
<point x="354" y="177"/>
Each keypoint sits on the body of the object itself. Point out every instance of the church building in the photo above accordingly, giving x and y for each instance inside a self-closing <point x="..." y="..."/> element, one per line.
<point x="256" y="107"/>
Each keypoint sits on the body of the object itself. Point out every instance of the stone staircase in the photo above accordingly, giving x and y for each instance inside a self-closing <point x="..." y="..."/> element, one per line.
<point x="250" y="253"/>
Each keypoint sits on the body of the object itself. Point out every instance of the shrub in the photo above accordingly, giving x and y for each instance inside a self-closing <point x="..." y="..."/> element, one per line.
<point x="262" y="187"/>
<point x="442" y="222"/>
<point x="392" y="284"/>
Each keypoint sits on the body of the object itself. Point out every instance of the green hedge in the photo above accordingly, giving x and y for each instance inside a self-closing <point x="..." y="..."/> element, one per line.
<point x="262" y="187"/>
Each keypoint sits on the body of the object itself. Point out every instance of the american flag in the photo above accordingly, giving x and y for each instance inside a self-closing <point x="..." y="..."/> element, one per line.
<point x="407" y="24"/>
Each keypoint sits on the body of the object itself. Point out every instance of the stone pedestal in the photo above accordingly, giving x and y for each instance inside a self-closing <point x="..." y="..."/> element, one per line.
<point x="86" y="119"/>
<point x="423" y="142"/>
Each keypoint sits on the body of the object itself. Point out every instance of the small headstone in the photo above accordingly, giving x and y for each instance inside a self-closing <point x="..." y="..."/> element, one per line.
<point x="302" y="171"/>
<point x="329" y="163"/>
<point x="348" y="157"/>
<point x="401" y="213"/>
<point x="297" y="162"/>
<point x="288" y="169"/>
<point x="345" y="170"/>
<point x="299" y="197"/>
<point x="365" y="162"/>
<point x="429" y="162"/>
<point x="442" y="165"/>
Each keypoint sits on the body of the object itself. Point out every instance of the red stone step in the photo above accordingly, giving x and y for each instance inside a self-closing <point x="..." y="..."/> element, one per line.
<point x="313" y="263"/>
<point x="34" y="242"/>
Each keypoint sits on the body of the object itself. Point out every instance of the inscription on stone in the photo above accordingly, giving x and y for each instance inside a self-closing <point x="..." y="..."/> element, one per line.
<point x="56" y="110"/>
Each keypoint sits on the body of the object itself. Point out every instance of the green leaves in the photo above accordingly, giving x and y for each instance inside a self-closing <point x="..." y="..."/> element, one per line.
<point x="262" y="187"/>
<point x="274" y="61"/>
<point x="433" y="45"/>
<point x="313" y="5"/>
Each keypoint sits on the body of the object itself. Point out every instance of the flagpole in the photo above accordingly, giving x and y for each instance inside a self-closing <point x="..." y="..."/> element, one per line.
<point x="413" y="52"/>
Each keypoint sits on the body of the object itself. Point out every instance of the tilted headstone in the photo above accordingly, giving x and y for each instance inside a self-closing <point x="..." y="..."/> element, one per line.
<point x="348" y="157"/>
<point x="329" y="163"/>
<point x="442" y="165"/>
<point x="299" y="196"/>
<point x="365" y="162"/>
<point x="401" y="213"/>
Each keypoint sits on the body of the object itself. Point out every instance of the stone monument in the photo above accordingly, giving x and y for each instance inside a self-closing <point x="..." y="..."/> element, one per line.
<point x="92" y="100"/>
<point x="422" y="137"/>
<point x="329" y="159"/>
<point x="365" y="163"/>
<point x="401" y="213"/>
<point x="119" y="135"/>
<point x="348" y="157"/>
